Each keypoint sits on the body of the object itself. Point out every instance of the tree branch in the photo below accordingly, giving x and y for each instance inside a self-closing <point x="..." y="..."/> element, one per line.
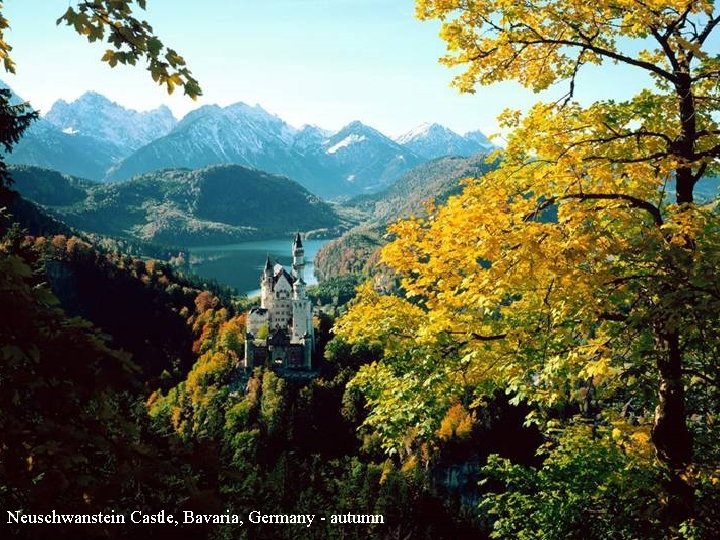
<point x="603" y="52"/>
<point x="634" y="202"/>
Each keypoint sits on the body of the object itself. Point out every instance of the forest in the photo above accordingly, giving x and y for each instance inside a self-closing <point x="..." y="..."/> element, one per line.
<point x="534" y="355"/>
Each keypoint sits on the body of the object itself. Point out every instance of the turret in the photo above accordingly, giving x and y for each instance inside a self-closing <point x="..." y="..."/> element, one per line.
<point x="298" y="264"/>
<point x="266" y="280"/>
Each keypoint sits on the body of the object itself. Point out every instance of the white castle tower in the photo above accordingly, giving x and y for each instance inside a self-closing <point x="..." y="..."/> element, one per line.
<point x="298" y="264"/>
<point x="302" y="327"/>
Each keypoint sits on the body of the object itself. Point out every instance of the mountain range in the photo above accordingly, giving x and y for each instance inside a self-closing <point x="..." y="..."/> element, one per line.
<point x="93" y="137"/>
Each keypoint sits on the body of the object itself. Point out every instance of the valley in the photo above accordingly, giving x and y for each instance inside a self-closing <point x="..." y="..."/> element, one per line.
<point x="226" y="183"/>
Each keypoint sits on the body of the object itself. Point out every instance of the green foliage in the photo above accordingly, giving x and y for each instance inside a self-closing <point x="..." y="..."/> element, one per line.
<point x="73" y="432"/>
<point x="14" y="118"/>
<point x="588" y="487"/>
<point x="272" y="403"/>
<point x="335" y="291"/>
<point x="49" y="188"/>
<point x="263" y="332"/>
<point x="283" y="446"/>
<point x="141" y="303"/>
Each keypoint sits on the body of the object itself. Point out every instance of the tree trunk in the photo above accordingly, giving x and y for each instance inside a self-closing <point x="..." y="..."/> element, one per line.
<point x="684" y="145"/>
<point x="670" y="434"/>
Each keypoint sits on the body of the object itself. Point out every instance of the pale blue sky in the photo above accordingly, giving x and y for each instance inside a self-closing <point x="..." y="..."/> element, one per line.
<point x="325" y="62"/>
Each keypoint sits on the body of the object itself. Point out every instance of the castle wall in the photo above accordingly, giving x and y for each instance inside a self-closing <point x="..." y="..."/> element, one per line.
<point x="256" y="318"/>
<point x="281" y="313"/>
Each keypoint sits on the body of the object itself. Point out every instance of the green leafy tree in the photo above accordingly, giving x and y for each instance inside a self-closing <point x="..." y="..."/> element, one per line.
<point x="14" y="120"/>
<point x="74" y="435"/>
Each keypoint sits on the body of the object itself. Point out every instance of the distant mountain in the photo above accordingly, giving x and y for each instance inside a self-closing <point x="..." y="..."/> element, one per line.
<point x="219" y="204"/>
<point x="354" y="160"/>
<point x="44" y="145"/>
<point x="96" y="116"/>
<point x="366" y="159"/>
<point x="433" y="141"/>
<point x="211" y="135"/>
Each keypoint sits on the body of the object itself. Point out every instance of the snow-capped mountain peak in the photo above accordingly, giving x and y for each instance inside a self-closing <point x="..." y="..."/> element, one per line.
<point x="97" y="138"/>
<point x="425" y="129"/>
<point x="94" y="115"/>
<point x="434" y="140"/>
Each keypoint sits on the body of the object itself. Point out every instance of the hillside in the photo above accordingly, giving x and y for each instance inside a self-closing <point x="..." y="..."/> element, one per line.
<point x="356" y="251"/>
<point x="221" y="204"/>
<point x="48" y="187"/>
<point x="436" y="180"/>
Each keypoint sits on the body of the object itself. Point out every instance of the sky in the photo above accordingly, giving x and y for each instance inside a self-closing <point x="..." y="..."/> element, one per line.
<point x="322" y="62"/>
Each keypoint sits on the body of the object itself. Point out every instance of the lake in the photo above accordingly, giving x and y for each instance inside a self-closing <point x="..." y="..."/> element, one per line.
<point x="240" y="265"/>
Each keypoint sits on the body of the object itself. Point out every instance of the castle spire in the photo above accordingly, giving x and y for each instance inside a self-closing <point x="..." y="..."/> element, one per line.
<point x="298" y="264"/>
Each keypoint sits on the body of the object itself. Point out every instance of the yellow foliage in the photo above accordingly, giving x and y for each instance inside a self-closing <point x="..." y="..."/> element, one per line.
<point x="390" y="321"/>
<point x="458" y="423"/>
<point x="570" y="265"/>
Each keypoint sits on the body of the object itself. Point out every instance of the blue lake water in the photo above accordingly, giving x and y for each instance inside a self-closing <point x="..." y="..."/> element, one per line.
<point x="240" y="265"/>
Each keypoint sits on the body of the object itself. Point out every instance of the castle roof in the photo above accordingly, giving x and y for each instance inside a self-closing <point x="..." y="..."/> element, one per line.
<point x="280" y="272"/>
<point x="298" y="241"/>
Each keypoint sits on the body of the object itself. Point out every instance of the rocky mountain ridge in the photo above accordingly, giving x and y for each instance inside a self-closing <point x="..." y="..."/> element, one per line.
<point x="97" y="139"/>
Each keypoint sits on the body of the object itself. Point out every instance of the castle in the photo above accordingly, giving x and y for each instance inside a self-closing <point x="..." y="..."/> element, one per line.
<point x="280" y="332"/>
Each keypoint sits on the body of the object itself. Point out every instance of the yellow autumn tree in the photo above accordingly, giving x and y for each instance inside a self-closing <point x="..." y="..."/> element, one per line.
<point x="583" y="269"/>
